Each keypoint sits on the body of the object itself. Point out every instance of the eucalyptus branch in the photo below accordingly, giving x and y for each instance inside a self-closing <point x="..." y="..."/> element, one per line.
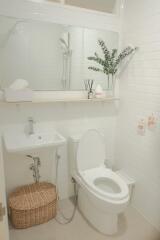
<point x="104" y="49"/>
<point x="98" y="60"/>
<point x="126" y="52"/>
<point x="95" y="69"/>
<point x="112" y="60"/>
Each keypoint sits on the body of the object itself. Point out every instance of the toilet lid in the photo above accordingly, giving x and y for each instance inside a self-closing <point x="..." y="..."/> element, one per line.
<point x="91" y="150"/>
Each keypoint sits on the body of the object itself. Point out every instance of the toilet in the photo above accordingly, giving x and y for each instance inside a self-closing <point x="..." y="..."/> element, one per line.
<point x="103" y="194"/>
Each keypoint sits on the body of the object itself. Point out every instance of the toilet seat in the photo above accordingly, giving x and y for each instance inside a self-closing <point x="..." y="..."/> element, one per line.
<point x="92" y="173"/>
<point x="105" y="183"/>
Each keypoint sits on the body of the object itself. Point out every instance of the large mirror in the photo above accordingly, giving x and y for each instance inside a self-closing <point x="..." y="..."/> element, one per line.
<point x="50" y="56"/>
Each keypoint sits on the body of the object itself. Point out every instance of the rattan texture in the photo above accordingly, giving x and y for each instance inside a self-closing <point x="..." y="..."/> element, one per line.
<point x="32" y="204"/>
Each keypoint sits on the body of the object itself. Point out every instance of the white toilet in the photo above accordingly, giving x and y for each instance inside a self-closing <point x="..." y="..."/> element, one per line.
<point x="103" y="194"/>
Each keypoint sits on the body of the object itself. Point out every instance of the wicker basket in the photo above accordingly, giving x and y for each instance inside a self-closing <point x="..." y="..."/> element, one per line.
<point x="32" y="205"/>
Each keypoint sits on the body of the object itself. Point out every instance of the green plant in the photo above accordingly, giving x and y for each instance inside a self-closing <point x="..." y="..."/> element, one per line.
<point x="111" y="61"/>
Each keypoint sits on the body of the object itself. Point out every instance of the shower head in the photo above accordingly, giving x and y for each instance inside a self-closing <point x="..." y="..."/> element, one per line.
<point x="63" y="43"/>
<point x="64" y="47"/>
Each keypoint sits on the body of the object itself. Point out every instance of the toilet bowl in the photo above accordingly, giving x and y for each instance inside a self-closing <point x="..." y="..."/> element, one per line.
<point x="103" y="194"/>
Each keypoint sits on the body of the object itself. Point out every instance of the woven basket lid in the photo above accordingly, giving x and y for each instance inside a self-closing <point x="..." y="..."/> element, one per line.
<point x="32" y="196"/>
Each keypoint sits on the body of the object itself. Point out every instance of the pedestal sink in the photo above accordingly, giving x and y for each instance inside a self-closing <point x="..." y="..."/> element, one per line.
<point x="20" y="142"/>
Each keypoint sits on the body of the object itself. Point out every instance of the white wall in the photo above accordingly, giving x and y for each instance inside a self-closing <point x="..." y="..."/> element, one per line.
<point x="68" y="119"/>
<point x="140" y="97"/>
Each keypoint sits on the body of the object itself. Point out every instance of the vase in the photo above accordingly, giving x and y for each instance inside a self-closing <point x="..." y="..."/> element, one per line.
<point x="111" y="79"/>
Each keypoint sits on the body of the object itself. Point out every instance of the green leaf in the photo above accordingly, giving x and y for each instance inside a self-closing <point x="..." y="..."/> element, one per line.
<point x="98" y="60"/>
<point x="111" y="62"/>
<point x="104" y="49"/>
<point x="95" y="69"/>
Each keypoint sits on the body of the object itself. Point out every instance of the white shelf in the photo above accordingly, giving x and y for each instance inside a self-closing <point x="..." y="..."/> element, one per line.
<point x="67" y="100"/>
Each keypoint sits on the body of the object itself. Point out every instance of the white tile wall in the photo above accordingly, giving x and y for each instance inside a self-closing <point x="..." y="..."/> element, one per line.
<point x="140" y="96"/>
<point x="69" y="119"/>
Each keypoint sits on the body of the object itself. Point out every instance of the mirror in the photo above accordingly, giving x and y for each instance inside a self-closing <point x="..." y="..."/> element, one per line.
<point x="50" y="56"/>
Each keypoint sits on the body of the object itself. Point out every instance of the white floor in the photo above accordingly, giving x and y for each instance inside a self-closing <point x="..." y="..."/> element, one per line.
<point x="132" y="226"/>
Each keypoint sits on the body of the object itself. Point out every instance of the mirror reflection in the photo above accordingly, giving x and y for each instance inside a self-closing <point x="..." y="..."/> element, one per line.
<point x="50" y="56"/>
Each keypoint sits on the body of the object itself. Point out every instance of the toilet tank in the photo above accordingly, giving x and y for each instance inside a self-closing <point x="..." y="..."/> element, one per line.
<point x="87" y="151"/>
<point x="73" y="146"/>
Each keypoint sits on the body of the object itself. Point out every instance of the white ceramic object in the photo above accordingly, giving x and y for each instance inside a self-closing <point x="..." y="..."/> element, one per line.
<point x="19" y="84"/>
<point x="19" y="141"/>
<point x="103" y="194"/>
<point x="99" y="93"/>
<point x="23" y="95"/>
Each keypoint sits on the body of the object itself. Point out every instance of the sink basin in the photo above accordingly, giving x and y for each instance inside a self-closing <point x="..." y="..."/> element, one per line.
<point x="24" y="143"/>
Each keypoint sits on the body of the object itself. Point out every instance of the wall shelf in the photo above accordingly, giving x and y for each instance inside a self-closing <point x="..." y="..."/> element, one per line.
<point x="77" y="100"/>
<point x="67" y="100"/>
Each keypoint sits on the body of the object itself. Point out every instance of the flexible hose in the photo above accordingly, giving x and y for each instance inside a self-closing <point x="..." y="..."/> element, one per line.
<point x="66" y="219"/>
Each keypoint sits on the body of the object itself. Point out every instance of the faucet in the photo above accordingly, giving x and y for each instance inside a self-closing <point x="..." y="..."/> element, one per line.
<point x="30" y="126"/>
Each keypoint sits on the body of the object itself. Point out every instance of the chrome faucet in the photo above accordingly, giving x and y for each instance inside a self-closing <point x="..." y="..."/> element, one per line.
<point x="30" y="126"/>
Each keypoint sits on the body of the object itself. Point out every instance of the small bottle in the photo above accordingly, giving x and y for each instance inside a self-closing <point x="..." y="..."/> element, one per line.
<point x="90" y="94"/>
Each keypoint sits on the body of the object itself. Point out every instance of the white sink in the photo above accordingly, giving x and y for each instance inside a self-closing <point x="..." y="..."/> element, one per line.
<point x="24" y="143"/>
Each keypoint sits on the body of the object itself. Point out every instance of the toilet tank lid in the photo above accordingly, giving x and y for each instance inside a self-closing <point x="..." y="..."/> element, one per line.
<point x="75" y="138"/>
